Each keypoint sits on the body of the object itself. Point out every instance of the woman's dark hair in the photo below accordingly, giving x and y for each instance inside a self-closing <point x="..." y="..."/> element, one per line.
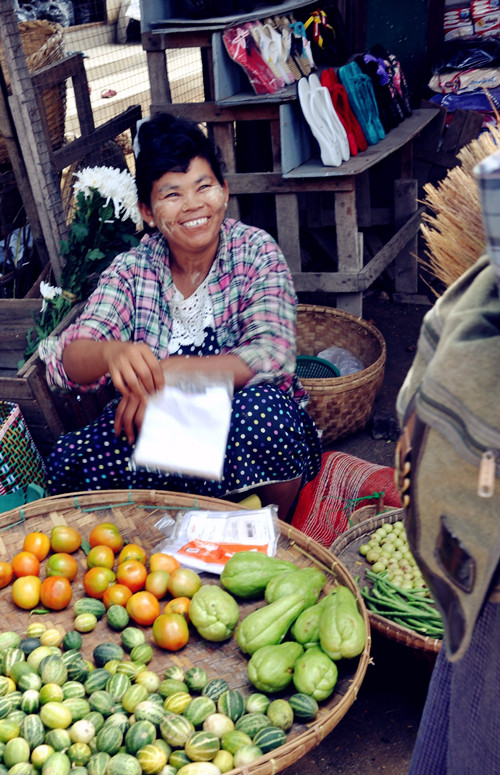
<point x="169" y="144"/>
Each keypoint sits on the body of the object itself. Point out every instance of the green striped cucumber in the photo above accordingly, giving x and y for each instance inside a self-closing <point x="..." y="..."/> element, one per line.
<point x="73" y="689"/>
<point x="109" y="739"/>
<point x="9" y="657"/>
<point x="171" y="685"/>
<point x="118" y="719"/>
<point x="33" y="730"/>
<point x="16" y="750"/>
<point x="215" y="688"/>
<point x="231" y="741"/>
<point x="102" y="701"/>
<point x="232" y="704"/>
<point x="104" y="652"/>
<point x="55" y="715"/>
<point x="133" y="696"/>
<point x="30" y="701"/>
<point x="117" y="685"/>
<point x="9" y="640"/>
<point x="151" y="758"/>
<point x="79" y="754"/>
<point x="78" y="706"/>
<point x="195" y="678"/>
<point x="304" y="707"/>
<point x="72" y="640"/>
<point x="178" y="702"/>
<point x="140" y="734"/>
<point x="58" y="739"/>
<point x="175" y="672"/>
<point x="97" y="680"/>
<point x="58" y="763"/>
<point x="176" y="730"/>
<point x="132" y="636"/>
<point x="96" y="719"/>
<point x="202" y="746"/>
<point x="89" y="605"/>
<point x="199" y="709"/>
<point x="251" y="723"/>
<point x="98" y="763"/>
<point x="123" y="764"/>
<point x="29" y="644"/>
<point x="269" y="738"/>
<point x="25" y="676"/>
<point x="143" y="653"/>
<point x="9" y="729"/>
<point x="149" y="711"/>
<point x="199" y="768"/>
<point x="117" y="617"/>
<point x="78" y="670"/>
<point x="53" y="670"/>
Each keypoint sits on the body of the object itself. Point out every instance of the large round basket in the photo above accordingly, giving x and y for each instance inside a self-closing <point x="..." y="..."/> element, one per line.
<point x="43" y="44"/>
<point x="341" y="405"/>
<point x="346" y="549"/>
<point x="136" y="512"/>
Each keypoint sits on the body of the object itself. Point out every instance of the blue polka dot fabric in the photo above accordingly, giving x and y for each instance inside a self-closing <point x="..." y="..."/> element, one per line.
<point x="271" y="439"/>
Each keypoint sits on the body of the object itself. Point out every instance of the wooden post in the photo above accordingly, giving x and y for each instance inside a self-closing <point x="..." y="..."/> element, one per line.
<point x="32" y="140"/>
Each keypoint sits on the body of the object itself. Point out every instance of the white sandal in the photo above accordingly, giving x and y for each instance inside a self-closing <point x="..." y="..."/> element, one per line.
<point x="331" y="155"/>
<point x="322" y="102"/>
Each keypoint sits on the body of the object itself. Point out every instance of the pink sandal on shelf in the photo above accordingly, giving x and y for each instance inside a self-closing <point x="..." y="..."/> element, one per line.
<point x="242" y="48"/>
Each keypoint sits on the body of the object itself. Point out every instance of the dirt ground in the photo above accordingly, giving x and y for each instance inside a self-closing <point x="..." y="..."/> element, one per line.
<point x="378" y="732"/>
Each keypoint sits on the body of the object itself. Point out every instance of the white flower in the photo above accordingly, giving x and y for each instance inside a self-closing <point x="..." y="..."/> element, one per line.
<point x="48" y="292"/>
<point x="112" y="184"/>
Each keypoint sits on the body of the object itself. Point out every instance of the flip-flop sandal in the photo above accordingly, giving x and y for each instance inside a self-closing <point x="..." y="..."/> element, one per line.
<point x="330" y="153"/>
<point x="243" y="50"/>
<point x="107" y="93"/>
<point x="269" y="42"/>
<point x="340" y="108"/>
<point x="321" y="101"/>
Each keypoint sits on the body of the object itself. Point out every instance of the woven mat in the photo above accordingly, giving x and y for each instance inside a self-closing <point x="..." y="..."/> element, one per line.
<point x="346" y="549"/>
<point x="135" y="513"/>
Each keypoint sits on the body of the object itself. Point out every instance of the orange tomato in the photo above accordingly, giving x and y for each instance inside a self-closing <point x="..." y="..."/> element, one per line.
<point x="170" y="631"/>
<point x="38" y="544"/>
<point x="62" y="564"/>
<point x="55" y="592"/>
<point x="178" y="605"/>
<point x="25" y="564"/>
<point x="132" y="573"/>
<point x="102" y="556"/>
<point x="64" y="538"/>
<point x="107" y="534"/>
<point x="143" y="607"/>
<point x="132" y="552"/>
<point x="6" y="574"/>
<point x="161" y="561"/>
<point x="26" y="591"/>
<point x="184" y="582"/>
<point x="157" y="583"/>
<point x="97" y="580"/>
<point x="116" y="594"/>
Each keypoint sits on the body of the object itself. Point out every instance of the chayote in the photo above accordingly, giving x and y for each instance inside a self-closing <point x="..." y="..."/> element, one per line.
<point x="342" y="631"/>
<point x="305" y="628"/>
<point x="268" y="625"/>
<point x="308" y="581"/>
<point x="213" y="612"/>
<point x="270" y="668"/>
<point x="315" y="674"/>
<point x="246" y="574"/>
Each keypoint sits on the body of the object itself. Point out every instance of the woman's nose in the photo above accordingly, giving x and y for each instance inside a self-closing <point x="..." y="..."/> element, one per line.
<point x="191" y="200"/>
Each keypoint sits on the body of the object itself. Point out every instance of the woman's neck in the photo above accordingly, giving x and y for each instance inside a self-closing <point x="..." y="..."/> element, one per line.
<point x="188" y="276"/>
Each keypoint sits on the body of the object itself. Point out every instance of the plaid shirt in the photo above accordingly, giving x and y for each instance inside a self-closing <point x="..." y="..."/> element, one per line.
<point x="252" y="295"/>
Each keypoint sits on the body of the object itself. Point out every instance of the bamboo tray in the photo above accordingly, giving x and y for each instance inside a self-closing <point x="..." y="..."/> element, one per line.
<point x="135" y="513"/>
<point x="346" y="549"/>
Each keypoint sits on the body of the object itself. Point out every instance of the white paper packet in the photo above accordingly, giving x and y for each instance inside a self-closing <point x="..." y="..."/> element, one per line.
<point x="185" y="427"/>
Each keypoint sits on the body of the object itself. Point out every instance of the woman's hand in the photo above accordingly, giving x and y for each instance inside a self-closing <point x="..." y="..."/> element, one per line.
<point x="129" y="416"/>
<point x="133" y="368"/>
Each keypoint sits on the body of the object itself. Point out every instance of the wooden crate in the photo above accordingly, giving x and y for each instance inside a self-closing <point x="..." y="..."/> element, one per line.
<point x="48" y="413"/>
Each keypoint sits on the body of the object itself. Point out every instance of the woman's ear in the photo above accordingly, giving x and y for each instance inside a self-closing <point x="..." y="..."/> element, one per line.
<point x="146" y="214"/>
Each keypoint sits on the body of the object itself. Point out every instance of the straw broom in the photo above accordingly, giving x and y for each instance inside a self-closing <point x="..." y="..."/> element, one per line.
<point x="453" y="229"/>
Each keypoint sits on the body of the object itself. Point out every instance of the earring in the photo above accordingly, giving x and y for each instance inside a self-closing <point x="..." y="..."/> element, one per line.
<point x="151" y="223"/>
<point x="225" y="204"/>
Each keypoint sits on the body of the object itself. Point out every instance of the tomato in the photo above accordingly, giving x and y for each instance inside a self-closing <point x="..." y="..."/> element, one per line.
<point x="25" y="564"/>
<point x="132" y="552"/>
<point x="6" y="574"/>
<point x="107" y="534"/>
<point x="132" y="573"/>
<point x="170" y="631"/>
<point x="55" y="592"/>
<point x="38" y="544"/>
<point x="184" y="582"/>
<point x="64" y="538"/>
<point x="97" y="580"/>
<point x="161" y="561"/>
<point x="26" y="591"/>
<point x="62" y="564"/>
<point x="157" y="583"/>
<point x="143" y="607"/>
<point x="101" y="555"/>
<point x="178" y="605"/>
<point x="116" y="594"/>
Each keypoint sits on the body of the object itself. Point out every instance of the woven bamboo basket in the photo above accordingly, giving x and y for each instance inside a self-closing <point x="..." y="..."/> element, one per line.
<point x="43" y="44"/>
<point x="135" y="512"/>
<point x="341" y="405"/>
<point x="346" y="549"/>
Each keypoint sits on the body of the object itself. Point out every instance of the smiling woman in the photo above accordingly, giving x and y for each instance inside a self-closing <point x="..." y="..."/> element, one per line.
<point x="199" y="284"/>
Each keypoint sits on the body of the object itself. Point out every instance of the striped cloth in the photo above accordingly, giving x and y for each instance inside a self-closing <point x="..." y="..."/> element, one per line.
<point x="487" y="174"/>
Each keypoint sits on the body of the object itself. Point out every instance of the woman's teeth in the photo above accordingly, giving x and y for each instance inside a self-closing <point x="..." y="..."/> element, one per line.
<point x="193" y="224"/>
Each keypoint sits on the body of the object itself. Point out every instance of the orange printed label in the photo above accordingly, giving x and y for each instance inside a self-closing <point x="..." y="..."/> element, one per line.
<point x="217" y="554"/>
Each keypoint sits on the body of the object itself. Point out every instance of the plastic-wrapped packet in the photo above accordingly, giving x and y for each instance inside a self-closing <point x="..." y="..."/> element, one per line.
<point x="344" y="360"/>
<point x="205" y="540"/>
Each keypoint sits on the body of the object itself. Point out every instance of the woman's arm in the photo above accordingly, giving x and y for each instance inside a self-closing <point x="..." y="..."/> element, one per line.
<point x="228" y="364"/>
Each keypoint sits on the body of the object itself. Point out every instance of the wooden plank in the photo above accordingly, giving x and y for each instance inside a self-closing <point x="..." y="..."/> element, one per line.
<point x="275" y="183"/>
<point x="405" y="265"/>
<point x="390" y="251"/>
<point x="287" y="220"/>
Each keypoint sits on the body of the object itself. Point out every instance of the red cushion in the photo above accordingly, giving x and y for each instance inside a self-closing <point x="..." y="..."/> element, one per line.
<point x="326" y="503"/>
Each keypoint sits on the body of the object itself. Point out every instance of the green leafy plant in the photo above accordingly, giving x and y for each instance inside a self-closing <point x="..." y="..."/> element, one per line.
<point x="105" y="223"/>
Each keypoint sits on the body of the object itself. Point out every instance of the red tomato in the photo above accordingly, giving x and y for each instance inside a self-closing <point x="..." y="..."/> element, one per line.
<point x="64" y="538"/>
<point x="38" y="544"/>
<point x="132" y="573"/>
<point x="55" y="592"/>
<point x="6" y="574"/>
<point x="178" y="605"/>
<point x="97" y="580"/>
<point x="62" y="564"/>
<point x="184" y="582"/>
<point x="26" y="591"/>
<point x="143" y="607"/>
<point x="132" y="552"/>
<point x="157" y="583"/>
<point x="101" y="556"/>
<point x="25" y="564"/>
<point x="116" y="594"/>
<point x="161" y="561"/>
<point x="170" y="631"/>
<point x="107" y="534"/>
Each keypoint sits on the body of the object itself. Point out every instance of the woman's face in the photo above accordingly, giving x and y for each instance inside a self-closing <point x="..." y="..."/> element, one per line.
<point x="188" y="208"/>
